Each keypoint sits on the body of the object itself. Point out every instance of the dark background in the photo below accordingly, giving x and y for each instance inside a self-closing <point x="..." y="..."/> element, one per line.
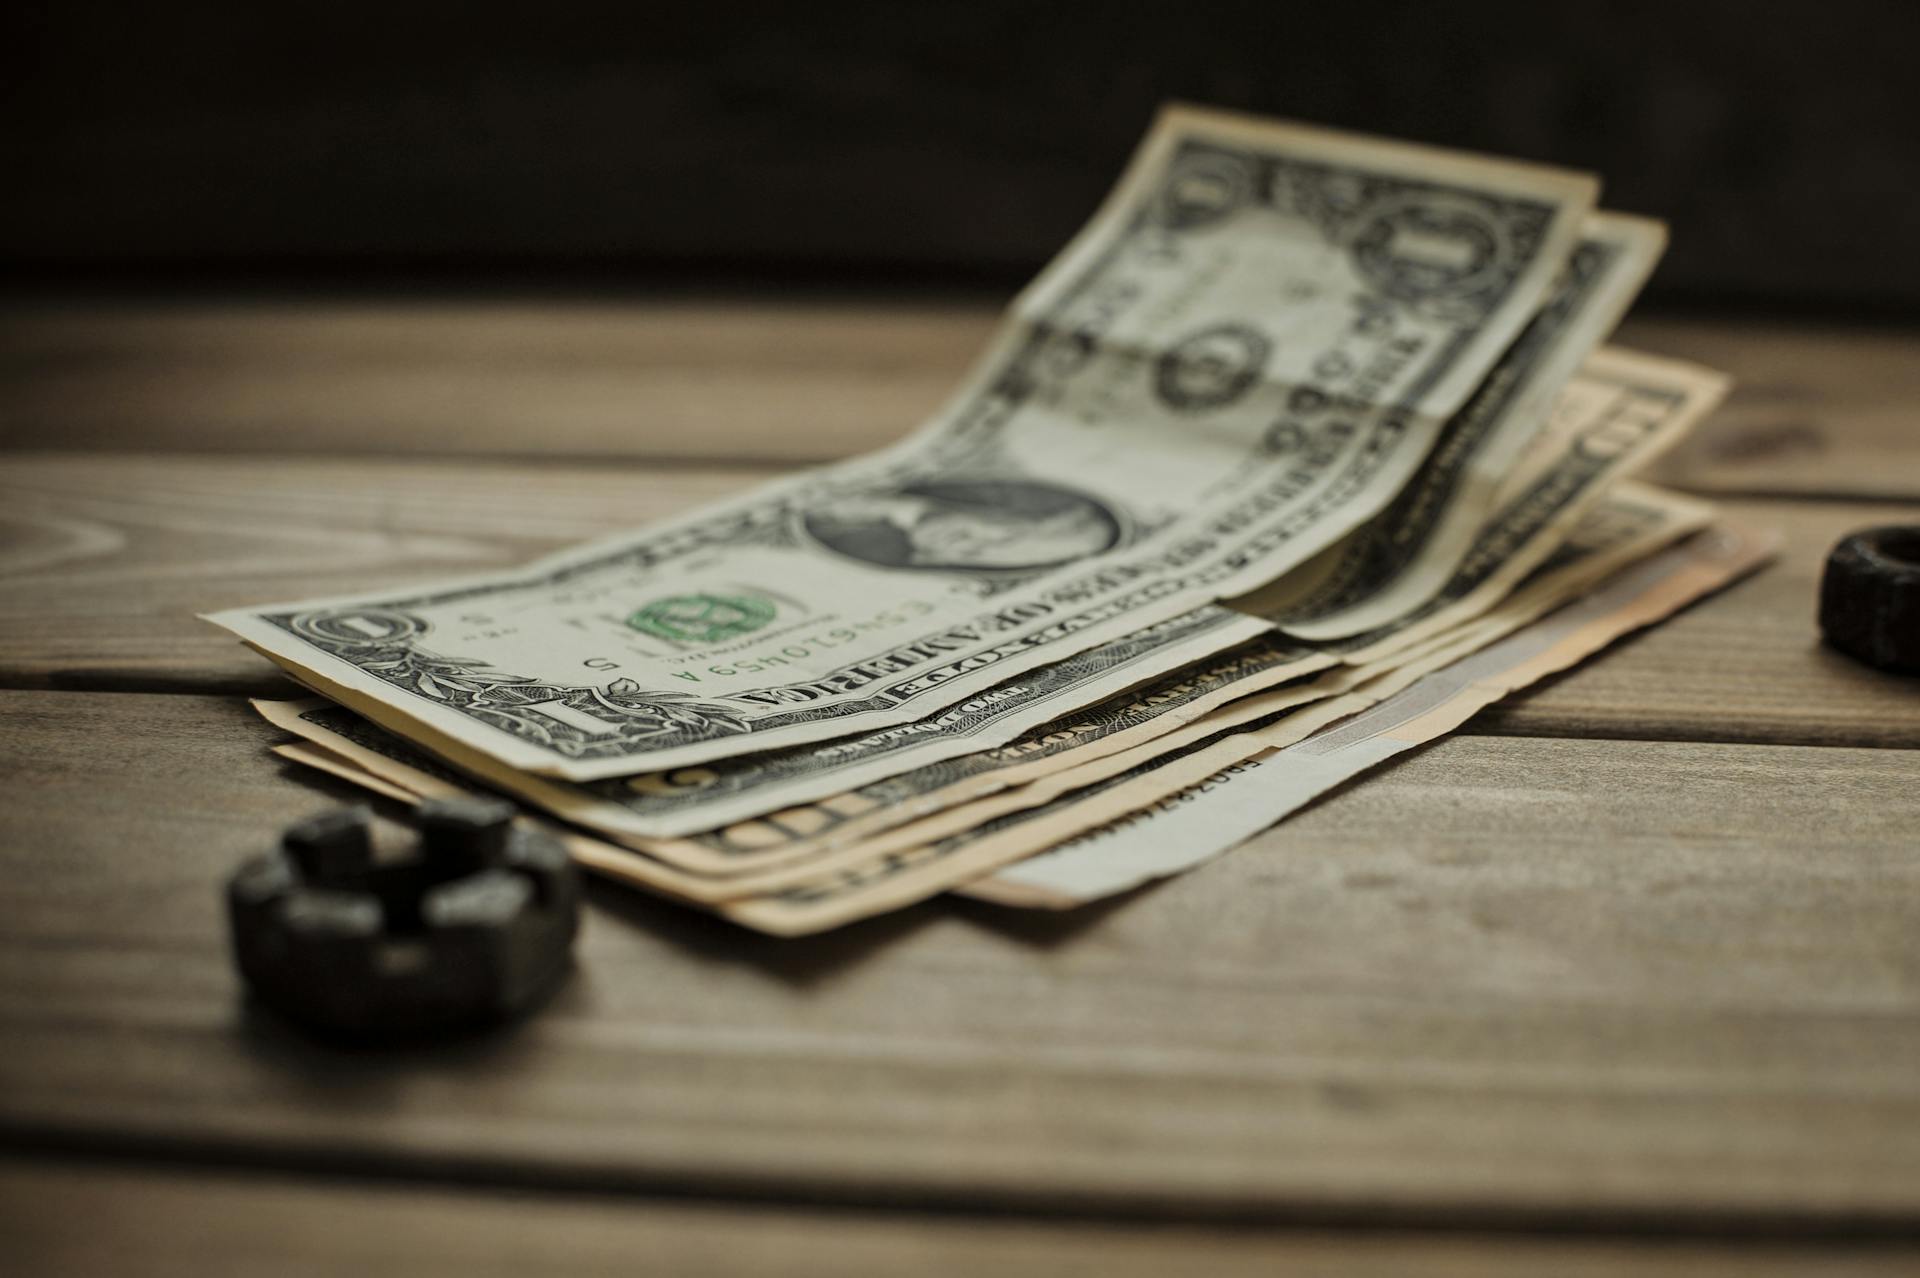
<point x="605" y="144"/>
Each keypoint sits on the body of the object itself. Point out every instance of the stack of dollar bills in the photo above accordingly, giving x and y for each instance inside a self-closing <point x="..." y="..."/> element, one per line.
<point x="1304" y="449"/>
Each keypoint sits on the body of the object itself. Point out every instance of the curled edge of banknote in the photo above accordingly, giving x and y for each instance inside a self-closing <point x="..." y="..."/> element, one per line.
<point x="1189" y="826"/>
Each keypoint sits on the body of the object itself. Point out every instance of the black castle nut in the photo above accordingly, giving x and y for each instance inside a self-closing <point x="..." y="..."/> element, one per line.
<point x="1870" y="597"/>
<point x="474" y="926"/>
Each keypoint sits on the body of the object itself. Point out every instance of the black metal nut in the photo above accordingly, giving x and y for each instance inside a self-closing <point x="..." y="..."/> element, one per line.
<point x="1870" y="597"/>
<point x="475" y="926"/>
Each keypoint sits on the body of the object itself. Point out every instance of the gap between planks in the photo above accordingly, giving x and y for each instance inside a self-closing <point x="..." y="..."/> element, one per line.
<point x="80" y="1217"/>
<point x="1559" y="983"/>
<point x="53" y="1146"/>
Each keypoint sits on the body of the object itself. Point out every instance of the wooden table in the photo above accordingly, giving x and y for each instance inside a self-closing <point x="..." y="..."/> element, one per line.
<point x="1626" y="975"/>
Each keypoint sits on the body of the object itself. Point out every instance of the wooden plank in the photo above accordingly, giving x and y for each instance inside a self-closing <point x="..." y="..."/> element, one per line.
<point x="83" y="1220"/>
<point x="670" y="378"/>
<point x="1745" y="666"/>
<point x="1506" y="978"/>
<point x="1818" y="408"/>
<point x="109" y="557"/>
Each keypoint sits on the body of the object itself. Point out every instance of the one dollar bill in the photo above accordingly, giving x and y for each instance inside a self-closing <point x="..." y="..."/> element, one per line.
<point x="743" y="816"/>
<point x="916" y="860"/>
<point x="1242" y="358"/>
<point x="335" y="740"/>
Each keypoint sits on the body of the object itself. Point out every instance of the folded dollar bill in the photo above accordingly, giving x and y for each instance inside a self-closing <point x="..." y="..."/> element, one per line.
<point x="1300" y="426"/>
<point x="1632" y="524"/>
<point x="746" y="815"/>
<point x="1244" y="357"/>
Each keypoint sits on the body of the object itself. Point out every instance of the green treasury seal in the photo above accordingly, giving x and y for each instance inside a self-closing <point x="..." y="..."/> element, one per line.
<point x="702" y="618"/>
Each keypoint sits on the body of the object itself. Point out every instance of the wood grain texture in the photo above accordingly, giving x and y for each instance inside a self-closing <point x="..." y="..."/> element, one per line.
<point x="759" y="379"/>
<point x="1506" y="978"/>
<point x="1747" y="665"/>
<point x="1818" y="408"/>
<point x="107" y="558"/>
<point x="82" y="1221"/>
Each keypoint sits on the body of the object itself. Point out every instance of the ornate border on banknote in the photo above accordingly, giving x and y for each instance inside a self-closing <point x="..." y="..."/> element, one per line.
<point x="1488" y="242"/>
<point x="1393" y="536"/>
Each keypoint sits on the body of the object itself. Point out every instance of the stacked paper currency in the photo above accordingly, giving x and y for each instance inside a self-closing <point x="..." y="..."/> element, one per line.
<point x="1302" y="451"/>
